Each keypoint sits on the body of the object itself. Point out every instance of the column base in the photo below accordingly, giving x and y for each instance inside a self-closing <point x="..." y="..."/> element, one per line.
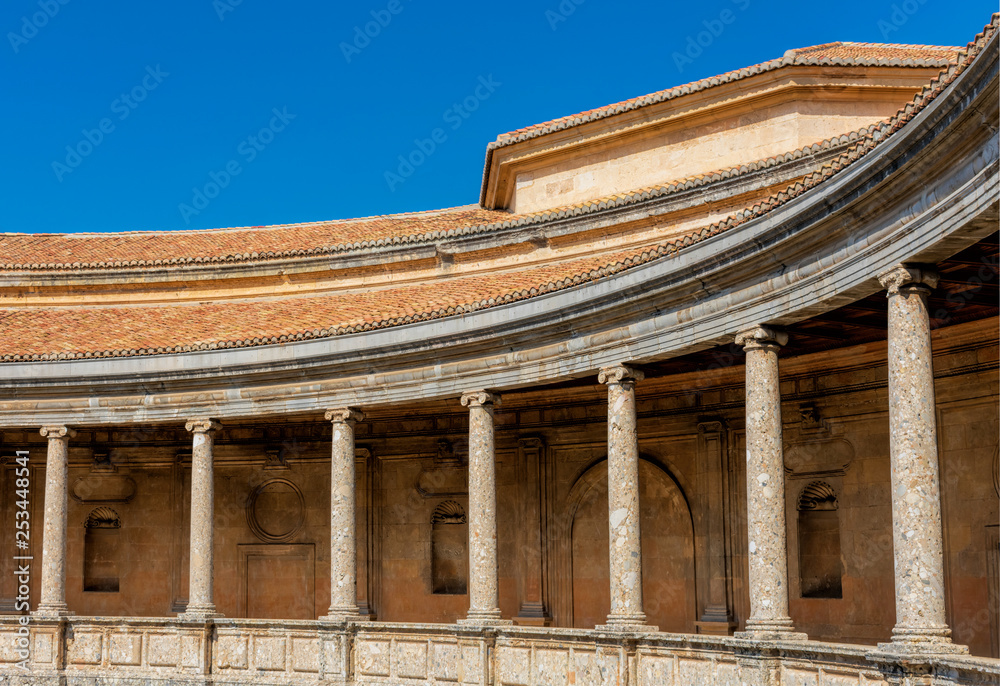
<point x="338" y="615"/>
<point x="484" y="618"/>
<point x="199" y="612"/>
<point x="780" y="629"/>
<point x="633" y="623"/>
<point x="50" y="611"/>
<point x="914" y="641"/>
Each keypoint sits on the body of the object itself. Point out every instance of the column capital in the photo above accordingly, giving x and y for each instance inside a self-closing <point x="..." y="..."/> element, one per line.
<point x="619" y="374"/>
<point x="57" y="431"/>
<point x="202" y="425"/>
<point x="760" y="336"/>
<point x="480" y="398"/>
<point x="906" y="275"/>
<point x="344" y="415"/>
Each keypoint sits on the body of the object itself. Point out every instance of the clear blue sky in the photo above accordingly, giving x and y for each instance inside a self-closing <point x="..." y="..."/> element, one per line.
<point x="183" y="89"/>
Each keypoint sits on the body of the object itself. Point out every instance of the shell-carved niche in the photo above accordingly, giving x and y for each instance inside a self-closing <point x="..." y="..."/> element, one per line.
<point x="449" y="549"/>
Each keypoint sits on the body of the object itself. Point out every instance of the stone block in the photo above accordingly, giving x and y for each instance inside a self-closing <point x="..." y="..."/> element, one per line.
<point x="792" y="676"/>
<point x="411" y="659"/>
<point x="269" y="653"/>
<point x="126" y="649"/>
<point x="445" y="661"/>
<point x="85" y="648"/>
<point x="513" y="666"/>
<point x="191" y="651"/>
<point x="44" y="648"/>
<point x="231" y="652"/>
<point x="305" y="654"/>
<point x="694" y="671"/>
<point x="589" y="668"/>
<point x="550" y="668"/>
<point x="373" y="657"/>
<point x="472" y="664"/>
<point x="656" y="670"/>
<point x="163" y="650"/>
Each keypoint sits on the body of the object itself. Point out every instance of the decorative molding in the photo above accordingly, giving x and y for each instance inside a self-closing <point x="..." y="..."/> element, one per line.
<point x="818" y="495"/>
<point x="103" y="487"/>
<point x="619" y="374"/>
<point x="260" y="529"/>
<point x="202" y="425"/>
<point x="908" y="276"/>
<point x="344" y="415"/>
<point x="760" y="336"/>
<point x="448" y="512"/>
<point x="818" y="458"/>
<point x="103" y="518"/>
<point x="57" y="431"/>
<point x="480" y="398"/>
<point x="274" y="460"/>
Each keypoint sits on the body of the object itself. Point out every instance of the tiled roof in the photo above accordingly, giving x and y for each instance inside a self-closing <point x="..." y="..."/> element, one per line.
<point x="61" y="333"/>
<point x="836" y="54"/>
<point x="140" y="250"/>
<point x="20" y="251"/>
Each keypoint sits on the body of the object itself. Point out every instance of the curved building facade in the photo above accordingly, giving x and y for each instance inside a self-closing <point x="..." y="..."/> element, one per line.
<point x="704" y="390"/>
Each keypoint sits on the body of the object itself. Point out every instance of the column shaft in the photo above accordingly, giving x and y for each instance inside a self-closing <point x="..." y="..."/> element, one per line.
<point x="484" y="596"/>
<point x="625" y="545"/>
<point x="201" y="602"/>
<point x="767" y="539"/>
<point x="916" y="499"/>
<point x="53" y="591"/>
<point x="343" y="527"/>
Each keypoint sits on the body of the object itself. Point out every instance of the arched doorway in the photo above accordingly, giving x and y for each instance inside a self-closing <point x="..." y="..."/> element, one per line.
<point x="668" y="581"/>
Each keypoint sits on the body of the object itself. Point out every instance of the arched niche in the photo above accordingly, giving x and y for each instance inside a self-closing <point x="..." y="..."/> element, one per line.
<point x="102" y="551"/>
<point x="668" y="565"/>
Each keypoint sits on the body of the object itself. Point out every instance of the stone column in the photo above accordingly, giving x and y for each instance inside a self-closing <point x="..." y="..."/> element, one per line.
<point x="767" y="542"/>
<point x="913" y="454"/>
<point x="484" y="595"/>
<point x="53" y="593"/>
<point x="623" y="501"/>
<point x="343" y="523"/>
<point x="201" y="602"/>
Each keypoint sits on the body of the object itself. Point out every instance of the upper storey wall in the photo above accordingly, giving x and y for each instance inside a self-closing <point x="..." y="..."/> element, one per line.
<point x="725" y="125"/>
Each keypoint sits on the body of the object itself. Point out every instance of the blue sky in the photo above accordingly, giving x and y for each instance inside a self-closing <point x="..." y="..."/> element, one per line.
<point x="127" y="116"/>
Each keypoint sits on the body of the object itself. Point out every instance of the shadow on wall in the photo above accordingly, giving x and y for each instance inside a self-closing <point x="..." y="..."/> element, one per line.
<point x="668" y="583"/>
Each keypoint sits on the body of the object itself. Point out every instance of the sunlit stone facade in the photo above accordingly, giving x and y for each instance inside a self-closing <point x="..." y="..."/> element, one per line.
<point x="680" y="402"/>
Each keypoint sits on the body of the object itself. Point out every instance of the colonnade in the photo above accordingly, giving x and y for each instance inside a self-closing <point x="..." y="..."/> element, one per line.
<point x="916" y="506"/>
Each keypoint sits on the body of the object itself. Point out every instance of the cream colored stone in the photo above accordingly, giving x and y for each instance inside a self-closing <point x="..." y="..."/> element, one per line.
<point x="921" y="625"/>
<point x="53" y="592"/>
<point x="201" y="602"/>
<point x="767" y="544"/>
<point x="343" y="534"/>
<point x="484" y="593"/>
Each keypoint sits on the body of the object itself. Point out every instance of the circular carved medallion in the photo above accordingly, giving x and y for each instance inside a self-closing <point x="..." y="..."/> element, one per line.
<point x="276" y="510"/>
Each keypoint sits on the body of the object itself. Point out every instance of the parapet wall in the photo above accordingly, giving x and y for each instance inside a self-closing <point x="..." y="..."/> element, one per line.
<point x="226" y="651"/>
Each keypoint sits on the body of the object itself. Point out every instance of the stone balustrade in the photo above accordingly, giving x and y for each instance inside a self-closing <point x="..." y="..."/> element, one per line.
<point x="248" y="651"/>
